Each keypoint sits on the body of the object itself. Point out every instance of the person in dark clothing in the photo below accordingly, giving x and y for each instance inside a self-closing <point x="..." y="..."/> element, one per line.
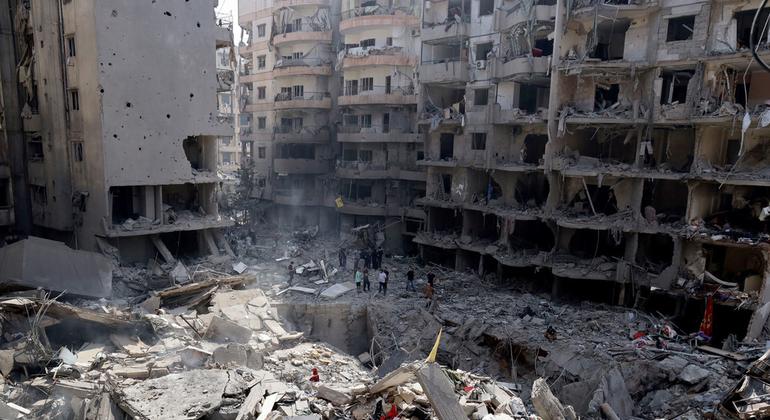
<point x="367" y="285"/>
<point x="367" y="259"/>
<point x="410" y="281"/>
<point x="291" y="272"/>
<point x="343" y="258"/>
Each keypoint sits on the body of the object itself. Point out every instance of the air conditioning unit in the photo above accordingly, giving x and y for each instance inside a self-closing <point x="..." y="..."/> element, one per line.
<point x="481" y="64"/>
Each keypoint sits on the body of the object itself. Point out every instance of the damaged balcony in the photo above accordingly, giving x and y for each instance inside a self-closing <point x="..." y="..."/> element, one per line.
<point x="445" y="19"/>
<point x="302" y="67"/>
<point x="663" y="206"/>
<point x="445" y="70"/>
<point x="300" y="158"/>
<point x="624" y="153"/>
<point x="515" y="14"/>
<point x="378" y="95"/>
<point x="443" y="189"/>
<point x="373" y="14"/>
<point x="654" y="263"/>
<point x="303" y="31"/>
<point x="728" y="214"/>
<point x="441" y="150"/>
<point x="146" y="210"/>
<point x="513" y="196"/>
<point x="443" y="228"/>
<point x="358" y="169"/>
<point x="720" y="158"/>
<point x="308" y="100"/>
<point x="280" y="4"/>
<point x="526" y="243"/>
<point x="371" y="57"/>
<point x="589" y="254"/>
<point x="444" y="105"/>
<point x="601" y="203"/>
<point x="301" y="134"/>
<point x="357" y="133"/>
<point x="520" y="103"/>
<point x="480" y="232"/>
<point x="523" y="153"/>
<point x="586" y="9"/>
<point x="525" y="55"/>
<point x="603" y="99"/>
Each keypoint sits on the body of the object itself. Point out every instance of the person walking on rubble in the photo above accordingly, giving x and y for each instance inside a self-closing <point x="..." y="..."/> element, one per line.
<point x="410" y="281"/>
<point x="291" y="273"/>
<point x="359" y="279"/>
<point x="430" y="294"/>
<point x="367" y="285"/>
<point x="383" y="282"/>
<point x="343" y="258"/>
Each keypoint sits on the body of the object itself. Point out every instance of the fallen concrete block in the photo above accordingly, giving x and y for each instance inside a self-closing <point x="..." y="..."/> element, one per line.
<point x="337" y="290"/>
<point x="240" y="267"/>
<point x="187" y="395"/>
<point x="440" y="391"/>
<point x="334" y="396"/>
<point x="50" y="265"/>
<point x="306" y="290"/>
<point x="12" y="411"/>
<point x="222" y="330"/>
<point x="547" y="405"/>
<point x="194" y="357"/>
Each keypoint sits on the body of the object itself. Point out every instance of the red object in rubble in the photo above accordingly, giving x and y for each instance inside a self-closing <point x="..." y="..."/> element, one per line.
<point x="314" y="377"/>
<point x="537" y="52"/>
<point x="639" y="334"/>
<point x="391" y="414"/>
<point x="468" y="389"/>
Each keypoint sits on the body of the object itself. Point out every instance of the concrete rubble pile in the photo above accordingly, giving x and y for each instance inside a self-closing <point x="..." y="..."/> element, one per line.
<point x="248" y="345"/>
<point x="213" y="348"/>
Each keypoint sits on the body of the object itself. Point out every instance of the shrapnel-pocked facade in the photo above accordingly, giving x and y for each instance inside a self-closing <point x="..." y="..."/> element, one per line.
<point x="120" y="118"/>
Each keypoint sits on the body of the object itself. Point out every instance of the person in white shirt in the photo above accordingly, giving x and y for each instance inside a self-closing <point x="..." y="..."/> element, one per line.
<point x="383" y="280"/>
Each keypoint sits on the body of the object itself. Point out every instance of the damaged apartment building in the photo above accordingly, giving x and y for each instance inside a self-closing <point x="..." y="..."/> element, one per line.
<point x="119" y="112"/>
<point x="330" y="93"/>
<point x="612" y="150"/>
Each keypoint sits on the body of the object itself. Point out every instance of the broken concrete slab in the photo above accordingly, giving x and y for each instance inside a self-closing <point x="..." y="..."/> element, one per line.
<point x="275" y="327"/>
<point x="186" y="395"/>
<point x="334" y="396"/>
<point x="224" y="331"/>
<point x="547" y="405"/>
<point x="36" y="262"/>
<point x="300" y="289"/>
<point x="337" y="290"/>
<point x="194" y="357"/>
<point x="693" y="374"/>
<point x="179" y="274"/>
<point x="440" y="392"/>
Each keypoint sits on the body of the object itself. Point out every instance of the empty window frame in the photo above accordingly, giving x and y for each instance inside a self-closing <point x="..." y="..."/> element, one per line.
<point x="70" y="41"/>
<point x="261" y="152"/>
<point x="261" y="123"/>
<point x="479" y="141"/>
<point x="261" y="92"/>
<point x="366" y="121"/>
<point x="680" y="28"/>
<point x="298" y="91"/>
<point x="74" y="100"/>
<point x="261" y="62"/>
<point x="486" y="7"/>
<point x="367" y="84"/>
<point x="77" y="151"/>
<point x="366" y="43"/>
<point x="482" y="50"/>
<point x="480" y="96"/>
<point x="365" y="155"/>
<point x="261" y="30"/>
<point x="675" y="86"/>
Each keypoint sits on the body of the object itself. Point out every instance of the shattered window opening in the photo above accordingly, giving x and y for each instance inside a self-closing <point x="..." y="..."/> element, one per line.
<point x="680" y="28"/>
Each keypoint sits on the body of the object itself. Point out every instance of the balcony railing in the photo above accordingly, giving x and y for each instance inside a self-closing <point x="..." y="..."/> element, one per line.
<point x="379" y="90"/>
<point x="450" y="20"/>
<point x="361" y="165"/>
<point x="284" y="129"/>
<point x="376" y="10"/>
<point x="357" y="52"/>
<point x="300" y="62"/>
<point x="304" y="27"/>
<point x="306" y="96"/>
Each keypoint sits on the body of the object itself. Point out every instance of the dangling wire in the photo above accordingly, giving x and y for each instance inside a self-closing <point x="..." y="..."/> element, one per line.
<point x="751" y="38"/>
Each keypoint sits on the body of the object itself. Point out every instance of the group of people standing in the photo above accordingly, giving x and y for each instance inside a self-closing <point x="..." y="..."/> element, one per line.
<point x="372" y="258"/>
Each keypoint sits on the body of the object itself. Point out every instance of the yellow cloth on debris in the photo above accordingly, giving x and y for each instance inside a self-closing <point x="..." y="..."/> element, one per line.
<point x="432" y="356"/>
<point x="338" y="202"/>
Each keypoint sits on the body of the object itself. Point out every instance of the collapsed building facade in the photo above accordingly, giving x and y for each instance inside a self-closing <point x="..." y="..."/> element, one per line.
<point x="611" y="150"/>
<point x="115" y="151"/>
<point x="330" y="94"/>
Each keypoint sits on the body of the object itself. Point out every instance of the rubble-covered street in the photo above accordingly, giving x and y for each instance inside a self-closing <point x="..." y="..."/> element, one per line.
<point x="244" y="345"/>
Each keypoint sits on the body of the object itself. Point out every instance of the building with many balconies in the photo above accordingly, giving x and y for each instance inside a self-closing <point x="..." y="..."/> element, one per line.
<point x="332" y="98"/>
<point x="614" y="151"/>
